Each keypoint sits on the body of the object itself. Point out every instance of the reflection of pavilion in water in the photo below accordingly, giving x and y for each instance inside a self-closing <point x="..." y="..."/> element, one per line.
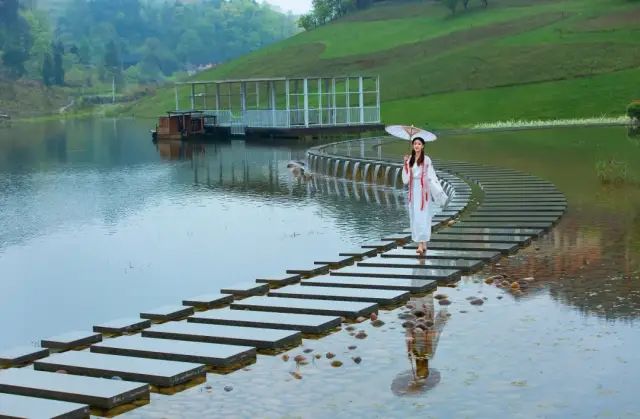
<point x="254" y="168"/>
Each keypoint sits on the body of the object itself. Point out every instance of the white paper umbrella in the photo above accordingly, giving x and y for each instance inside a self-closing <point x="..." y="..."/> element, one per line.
<point x="407" y="132"/>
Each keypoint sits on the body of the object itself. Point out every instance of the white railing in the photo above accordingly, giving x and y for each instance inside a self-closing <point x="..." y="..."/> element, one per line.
<point x="279" y="118"/>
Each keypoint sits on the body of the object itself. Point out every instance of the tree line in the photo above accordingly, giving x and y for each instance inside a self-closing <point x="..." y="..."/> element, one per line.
<point x="141" y="41"/>
<point x="325" y="11"/>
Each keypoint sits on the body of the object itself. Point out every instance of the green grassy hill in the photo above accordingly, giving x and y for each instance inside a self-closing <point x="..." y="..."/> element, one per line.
<point x="516" y="59"/>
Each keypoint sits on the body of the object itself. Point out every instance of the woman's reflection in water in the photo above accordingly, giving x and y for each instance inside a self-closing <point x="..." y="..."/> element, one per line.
<point x="422" y="333"/>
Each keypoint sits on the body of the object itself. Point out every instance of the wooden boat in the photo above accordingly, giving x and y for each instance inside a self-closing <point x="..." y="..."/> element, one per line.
<point x="179" y="125"/>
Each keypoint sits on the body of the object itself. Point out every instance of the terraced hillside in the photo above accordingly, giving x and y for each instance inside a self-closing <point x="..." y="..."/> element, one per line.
<point x="515" y="59"/>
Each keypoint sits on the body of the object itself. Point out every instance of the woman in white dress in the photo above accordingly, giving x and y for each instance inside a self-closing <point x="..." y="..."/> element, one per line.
<point x="425" y="193"/>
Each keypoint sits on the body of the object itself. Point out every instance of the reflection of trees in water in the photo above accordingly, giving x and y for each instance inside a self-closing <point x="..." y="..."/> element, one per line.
<point x="590" y="261"/>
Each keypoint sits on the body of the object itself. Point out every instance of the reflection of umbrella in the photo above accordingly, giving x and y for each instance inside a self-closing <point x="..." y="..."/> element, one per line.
<point x="407" y="132"/>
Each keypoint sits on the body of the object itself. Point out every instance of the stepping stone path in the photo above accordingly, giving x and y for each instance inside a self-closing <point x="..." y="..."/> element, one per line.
<point x="497" y="213"/>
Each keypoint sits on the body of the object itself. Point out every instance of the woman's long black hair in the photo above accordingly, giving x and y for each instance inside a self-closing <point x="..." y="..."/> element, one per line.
<point x="412" y="160"/>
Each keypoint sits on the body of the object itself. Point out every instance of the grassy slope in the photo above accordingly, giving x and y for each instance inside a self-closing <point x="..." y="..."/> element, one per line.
<point x="516" y="59"/>
<point x="27" y="99"/>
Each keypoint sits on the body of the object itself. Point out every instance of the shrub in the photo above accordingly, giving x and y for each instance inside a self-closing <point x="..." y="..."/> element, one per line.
<point x="633" y="110"/>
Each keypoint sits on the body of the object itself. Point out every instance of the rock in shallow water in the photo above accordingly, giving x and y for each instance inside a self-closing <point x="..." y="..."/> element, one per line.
<point x="477" y="302"/>
<point x="361" y="335"/>
<point x="444" y="302"/>
<point x="357" y="359"/>
<point x="377" y="323"/>
<point x="330" y="355"/>
<point x="336" y="363"/>
<point x="228" y="388"/>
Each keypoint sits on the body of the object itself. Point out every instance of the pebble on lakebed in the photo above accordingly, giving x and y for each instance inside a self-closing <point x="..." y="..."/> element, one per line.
<point x="444" y="302"/>
<point x="336" y="363"/>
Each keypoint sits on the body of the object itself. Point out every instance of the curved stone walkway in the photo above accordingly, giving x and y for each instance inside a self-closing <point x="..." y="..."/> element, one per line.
<point x="493" y="212"/>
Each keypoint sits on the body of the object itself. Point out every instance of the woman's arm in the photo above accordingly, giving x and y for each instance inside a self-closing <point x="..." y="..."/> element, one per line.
<point x="405" y="171"/>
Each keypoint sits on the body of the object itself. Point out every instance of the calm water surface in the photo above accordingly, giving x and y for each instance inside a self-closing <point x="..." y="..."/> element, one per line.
<point x="99" y="223"/>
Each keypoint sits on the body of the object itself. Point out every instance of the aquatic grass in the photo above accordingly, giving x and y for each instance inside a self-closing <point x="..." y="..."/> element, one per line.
<point x="614" y="172"/>
<point x="519" y="123"/>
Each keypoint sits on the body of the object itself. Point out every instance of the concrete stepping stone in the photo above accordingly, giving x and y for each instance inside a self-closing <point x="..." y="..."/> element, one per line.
<point x="382" y="297"/>
<point x="334" y="261"/>
<point x="422" y="273"/>
<point x="213" y="354"/>
<point x="520" y="208"/>
<point x="464" y="265"/>
<point x="258" y="337"/>
<point x="21" y="355"/>
<point x="121" y="326"/>
<point x="13" y="406"/>
<point x="310" y="271"/>
<point x="487" y="256"/>
<point x="167" y="313"/>
<point x="505" y="248"/>
<point x="246" y="289"/>
<point x="398" y="238"/>
<point x="419" y="286"/>
<point x="305" y="323"/>
<point x="158" y="372"/>
<point x="208" y="301"/>
<point x="525" y="220"/>
<point x="70" y="340"/>
<point x="471" y="238"/>
<point x="96" y="392"/>
<point x="280" y="280"/>
<point x="533" y="215"/>
<point x="360" y="253"/>
<point x="381" y="246"/>
<point x="546" y="225"/>
<point x="535" y="232"/>
<point x="347" y="309"/>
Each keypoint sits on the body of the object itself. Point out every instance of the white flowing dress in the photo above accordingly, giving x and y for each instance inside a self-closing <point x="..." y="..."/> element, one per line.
<point x="421" y="213"/>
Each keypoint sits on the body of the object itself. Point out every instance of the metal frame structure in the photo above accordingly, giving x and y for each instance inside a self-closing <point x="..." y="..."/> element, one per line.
<point x="282" y="102"/>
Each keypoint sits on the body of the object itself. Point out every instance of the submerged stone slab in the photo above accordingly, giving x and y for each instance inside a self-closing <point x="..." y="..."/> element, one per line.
<point x="121" y="326"/>
<point x="465" y="265"/>
<point x="473" y="218"/>
<point x="13" y="406"/>
<point x="488" y="256"/>
<point x="309" y="271"/>
<point x="382" y="297"/>
<point x="545" y="225"/>
<point x="21" y="355"/>
<point x="97" y="392"/>
<point x="477" y="238"/>
<point x="398" y="238"/>
<point x="246" y="289"/>
<point x="419" y="286"/>
<point x="261" y="338"/>
<point x="207" y="301"/>
<point x="402" y="273"/>
<point x="153" y="371"/>
<point x="333" y="261"/>
<point x="280" y="280"/>
<point x="346" y="309"/>
<point x="167" y="313"/>
<point x="533" y="215"/>
<point x="213" y="354"/>
<point x="519" y="208"/>
<point x="535" y="232"/>
<point x="71" y="340"/>
<point x="504" y="248"/>
<point x="305" y="323"/>
<point x="360" y="253"/>
<point x="381" y="246"/>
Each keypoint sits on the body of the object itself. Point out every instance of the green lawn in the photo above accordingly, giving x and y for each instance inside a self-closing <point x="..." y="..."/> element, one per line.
<point x="517" y="59"/>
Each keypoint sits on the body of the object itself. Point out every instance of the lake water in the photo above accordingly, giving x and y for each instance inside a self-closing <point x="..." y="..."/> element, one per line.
<point x="97" y="223"/>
